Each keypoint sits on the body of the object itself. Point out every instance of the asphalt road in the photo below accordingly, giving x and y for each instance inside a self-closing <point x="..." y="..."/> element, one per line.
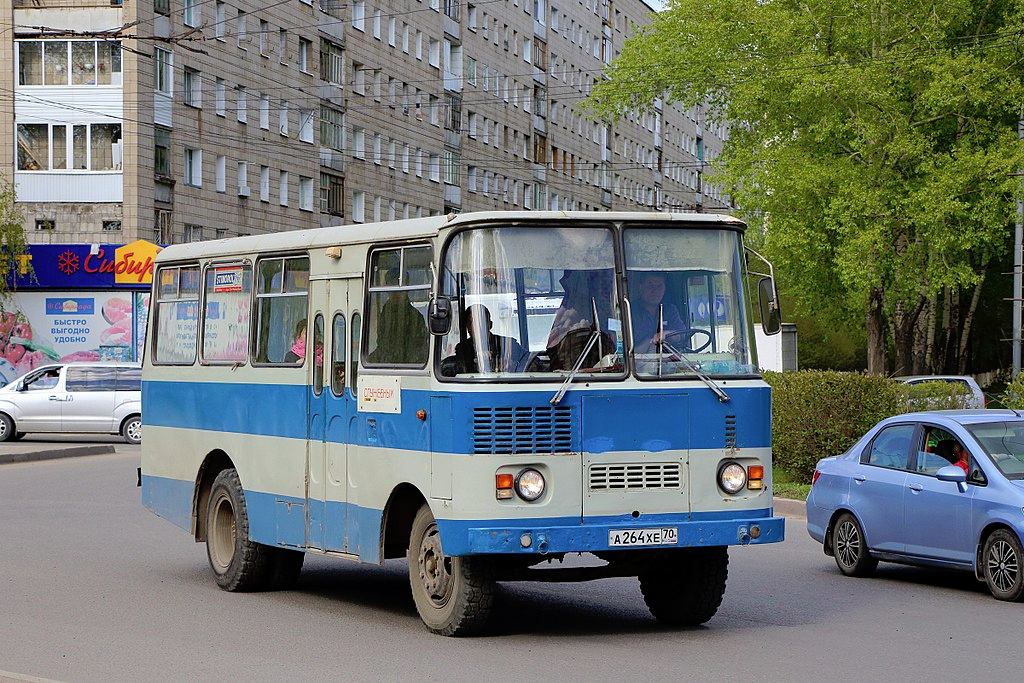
<point x="93" y="587"/>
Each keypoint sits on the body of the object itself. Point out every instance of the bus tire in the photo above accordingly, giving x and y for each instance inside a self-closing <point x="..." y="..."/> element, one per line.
<point x="453" y="595"/>
<point x="239" y="564"/>
<point x="685" y="587"/>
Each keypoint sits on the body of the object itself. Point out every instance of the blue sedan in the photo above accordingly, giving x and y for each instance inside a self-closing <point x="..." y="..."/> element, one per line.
<point x="941" y="488"/>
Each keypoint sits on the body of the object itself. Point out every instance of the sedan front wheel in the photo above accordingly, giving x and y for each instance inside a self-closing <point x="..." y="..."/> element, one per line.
<point x="1001" y="559"/>
<point x="849" y="548"/>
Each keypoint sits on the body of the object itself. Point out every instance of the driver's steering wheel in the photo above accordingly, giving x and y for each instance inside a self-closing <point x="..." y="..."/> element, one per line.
<point x="686" y="337"/>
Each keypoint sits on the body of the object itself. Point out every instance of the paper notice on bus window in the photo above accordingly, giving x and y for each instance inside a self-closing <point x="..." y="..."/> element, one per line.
<point x="227" y="279"/>
<point x="380" y="394"/>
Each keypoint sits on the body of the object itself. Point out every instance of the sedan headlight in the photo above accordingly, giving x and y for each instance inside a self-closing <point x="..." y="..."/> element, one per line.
<point x="530" y="484"/>
<point x="732" y="477"/>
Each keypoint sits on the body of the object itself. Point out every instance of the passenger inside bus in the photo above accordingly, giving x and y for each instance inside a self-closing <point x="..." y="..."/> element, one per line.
<point x="650" y="288"/>
<point x="574" y="322"/>
<point x="502" y="354"/>
<point x="401" y="330"/>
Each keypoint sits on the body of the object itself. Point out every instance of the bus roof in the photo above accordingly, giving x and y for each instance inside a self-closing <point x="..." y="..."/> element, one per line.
<point x="411" y="228"/>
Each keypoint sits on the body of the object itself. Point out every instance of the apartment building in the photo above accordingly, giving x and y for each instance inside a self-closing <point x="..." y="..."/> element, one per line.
<point x="181" y="120"/>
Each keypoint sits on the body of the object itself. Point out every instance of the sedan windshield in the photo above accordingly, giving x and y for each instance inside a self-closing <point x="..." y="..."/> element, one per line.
<point x="1004" y="443"/>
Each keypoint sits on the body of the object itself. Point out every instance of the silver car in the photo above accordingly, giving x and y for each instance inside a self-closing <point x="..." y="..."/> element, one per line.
<point x="97" y="398"/>
<point x="976" y="397"/>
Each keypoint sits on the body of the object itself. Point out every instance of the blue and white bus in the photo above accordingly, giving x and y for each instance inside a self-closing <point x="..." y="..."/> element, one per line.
<point x="481" y="393"/>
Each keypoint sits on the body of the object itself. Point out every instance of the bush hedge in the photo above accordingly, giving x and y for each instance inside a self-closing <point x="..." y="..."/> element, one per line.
<point x="818" y="413"/>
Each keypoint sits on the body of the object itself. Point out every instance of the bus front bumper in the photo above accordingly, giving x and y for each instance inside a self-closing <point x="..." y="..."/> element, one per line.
<point x="544" y="536"/>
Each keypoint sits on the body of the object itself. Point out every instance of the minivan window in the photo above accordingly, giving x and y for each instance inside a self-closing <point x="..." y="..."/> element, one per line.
<point x="128" y="379"/>
<point x="45" y="379"/>
<point x="95" y="378"/>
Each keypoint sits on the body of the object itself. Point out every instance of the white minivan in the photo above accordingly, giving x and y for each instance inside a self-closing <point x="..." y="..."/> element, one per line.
<point x="98" y="398"/>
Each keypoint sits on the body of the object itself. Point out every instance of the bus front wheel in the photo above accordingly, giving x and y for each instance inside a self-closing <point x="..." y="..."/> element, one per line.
<point x="453" y="595"/>
<point x="685" y="587"/>
<point x="238" y="563"/>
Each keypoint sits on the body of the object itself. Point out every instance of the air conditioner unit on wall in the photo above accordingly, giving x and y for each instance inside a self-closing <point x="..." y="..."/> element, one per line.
<point x="244" y="191"/>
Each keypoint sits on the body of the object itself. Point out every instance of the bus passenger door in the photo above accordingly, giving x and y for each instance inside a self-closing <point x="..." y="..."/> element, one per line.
<point x="316" y="455"/>
<point x="339" y="406"/>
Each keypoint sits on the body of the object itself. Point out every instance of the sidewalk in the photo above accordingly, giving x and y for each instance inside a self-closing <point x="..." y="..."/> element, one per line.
<point x="32" y="448"/>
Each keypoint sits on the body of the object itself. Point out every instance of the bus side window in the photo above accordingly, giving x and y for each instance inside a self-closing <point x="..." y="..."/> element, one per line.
<point x="339" y="338"/>
<point x="282" y="290"/>
<point x="399" y="290"/>
<point x="354" y="362"/>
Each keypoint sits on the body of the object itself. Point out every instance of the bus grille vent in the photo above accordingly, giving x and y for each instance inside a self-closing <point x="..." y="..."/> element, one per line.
<point x="730" y="431"/>
<point x="544" y="429"/>
<point x="647" y="475"/>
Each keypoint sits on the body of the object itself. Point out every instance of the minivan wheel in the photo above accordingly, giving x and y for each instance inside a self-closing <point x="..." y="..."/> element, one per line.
<point x="132" y="430"/>
<point x="7" y="432"/>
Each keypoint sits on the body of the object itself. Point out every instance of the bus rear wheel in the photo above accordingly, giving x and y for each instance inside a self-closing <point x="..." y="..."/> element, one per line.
<point x="685" y="587"/>
<point x="453" y="595"/>
<point x="239" y="564"/>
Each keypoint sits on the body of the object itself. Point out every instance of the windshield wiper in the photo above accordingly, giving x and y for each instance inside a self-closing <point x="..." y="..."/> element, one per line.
<point x="677" y="355"/>
<point x="595" y="338"/>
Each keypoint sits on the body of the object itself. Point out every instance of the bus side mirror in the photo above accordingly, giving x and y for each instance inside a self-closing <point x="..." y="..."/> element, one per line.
<point x="439" y="313"/>
<point x="768" y="302"/>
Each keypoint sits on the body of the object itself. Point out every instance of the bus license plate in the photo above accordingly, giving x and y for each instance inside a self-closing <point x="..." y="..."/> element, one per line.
<point x="641" y="537"/>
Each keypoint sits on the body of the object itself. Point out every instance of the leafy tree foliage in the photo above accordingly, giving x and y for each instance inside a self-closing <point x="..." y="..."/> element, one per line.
<point x="12" y="239"/>
<point x="874" y="144"/>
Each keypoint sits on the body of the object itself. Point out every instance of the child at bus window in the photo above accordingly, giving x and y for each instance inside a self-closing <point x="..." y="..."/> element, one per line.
<point x="502" y="354"/>
<point x="297" y="353"/>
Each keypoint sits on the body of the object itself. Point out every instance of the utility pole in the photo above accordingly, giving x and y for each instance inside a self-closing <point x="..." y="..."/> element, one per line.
<point x="1018" y="246"/>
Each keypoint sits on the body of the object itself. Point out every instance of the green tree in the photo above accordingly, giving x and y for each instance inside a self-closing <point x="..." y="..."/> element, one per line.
<point x="12" y="239"/>
<point x="873" y="145"/>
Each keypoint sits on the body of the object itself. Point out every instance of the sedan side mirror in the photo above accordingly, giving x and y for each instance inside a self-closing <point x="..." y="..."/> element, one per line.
<point x="955" y="474"/>
<point x="439" y="315"/>
<point x="768" y="302"/>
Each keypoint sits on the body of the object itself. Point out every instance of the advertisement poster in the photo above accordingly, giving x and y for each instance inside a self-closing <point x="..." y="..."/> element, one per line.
<point x="37" y="328"/>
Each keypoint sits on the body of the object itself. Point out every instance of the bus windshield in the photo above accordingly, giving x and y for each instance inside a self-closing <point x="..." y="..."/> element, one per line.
<point x="686" y="305"/>
<point x="532" y="301"/>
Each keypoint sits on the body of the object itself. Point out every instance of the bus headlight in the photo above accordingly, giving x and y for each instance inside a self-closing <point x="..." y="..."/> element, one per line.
<point x="530" y="484"/>
<point x="732" y="477"/>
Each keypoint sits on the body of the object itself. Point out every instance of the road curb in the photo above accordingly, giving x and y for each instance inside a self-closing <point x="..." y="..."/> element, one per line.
<point x="787" y="507"/>
<point x="53" y="453"/>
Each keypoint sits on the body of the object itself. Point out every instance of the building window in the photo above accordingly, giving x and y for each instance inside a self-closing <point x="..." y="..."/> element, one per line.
<point x="111" y="226"/>
<point x="332" y="129"/>
<point x="305" y="47"/>
<point x="282" y="45"/>
<point x="435" y="168"/>
<point x="243" y="179"/>
<point x="193" y="87"/>
<point x="193" y="233"/>
<point x="471" y="119"/>
<point x="305" y="193"/>
<point x="452" y="167"/>
<point x="264" y="183"/>
<point x="434" y="54"/>
<point x="332" y="62"/>
<point x="470" y="70"/>
<point x="306" y="125"/>
<point x="45" y="224"/>
<point x="219" y="18"/>
<point x="376" y="24"/>
<point x="358" y="143"/>
<point x="264" y="37"/>
<point x="163" y="76"/>
<point x="162" y="7"/>
<point x="282" y="184"/>
<point x="453" y="119"/>
<point x="193" y="167"/>
<point x="220" y="97"/>
<point x="359" y="15"/>
<point x="283" y="118"/>
<point x="358" y="79"/>
<point x="79" y="62"/>
<point x="332" y="194"/>
<point x="242" y="104"/>
<point x="162" y="152"/>
<point x="190" y="13"/>
<point x="358" y="207"/>
<point x="240" y="29"/>
<point x="265" y="112"/>
<point x="221" y="172"/>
